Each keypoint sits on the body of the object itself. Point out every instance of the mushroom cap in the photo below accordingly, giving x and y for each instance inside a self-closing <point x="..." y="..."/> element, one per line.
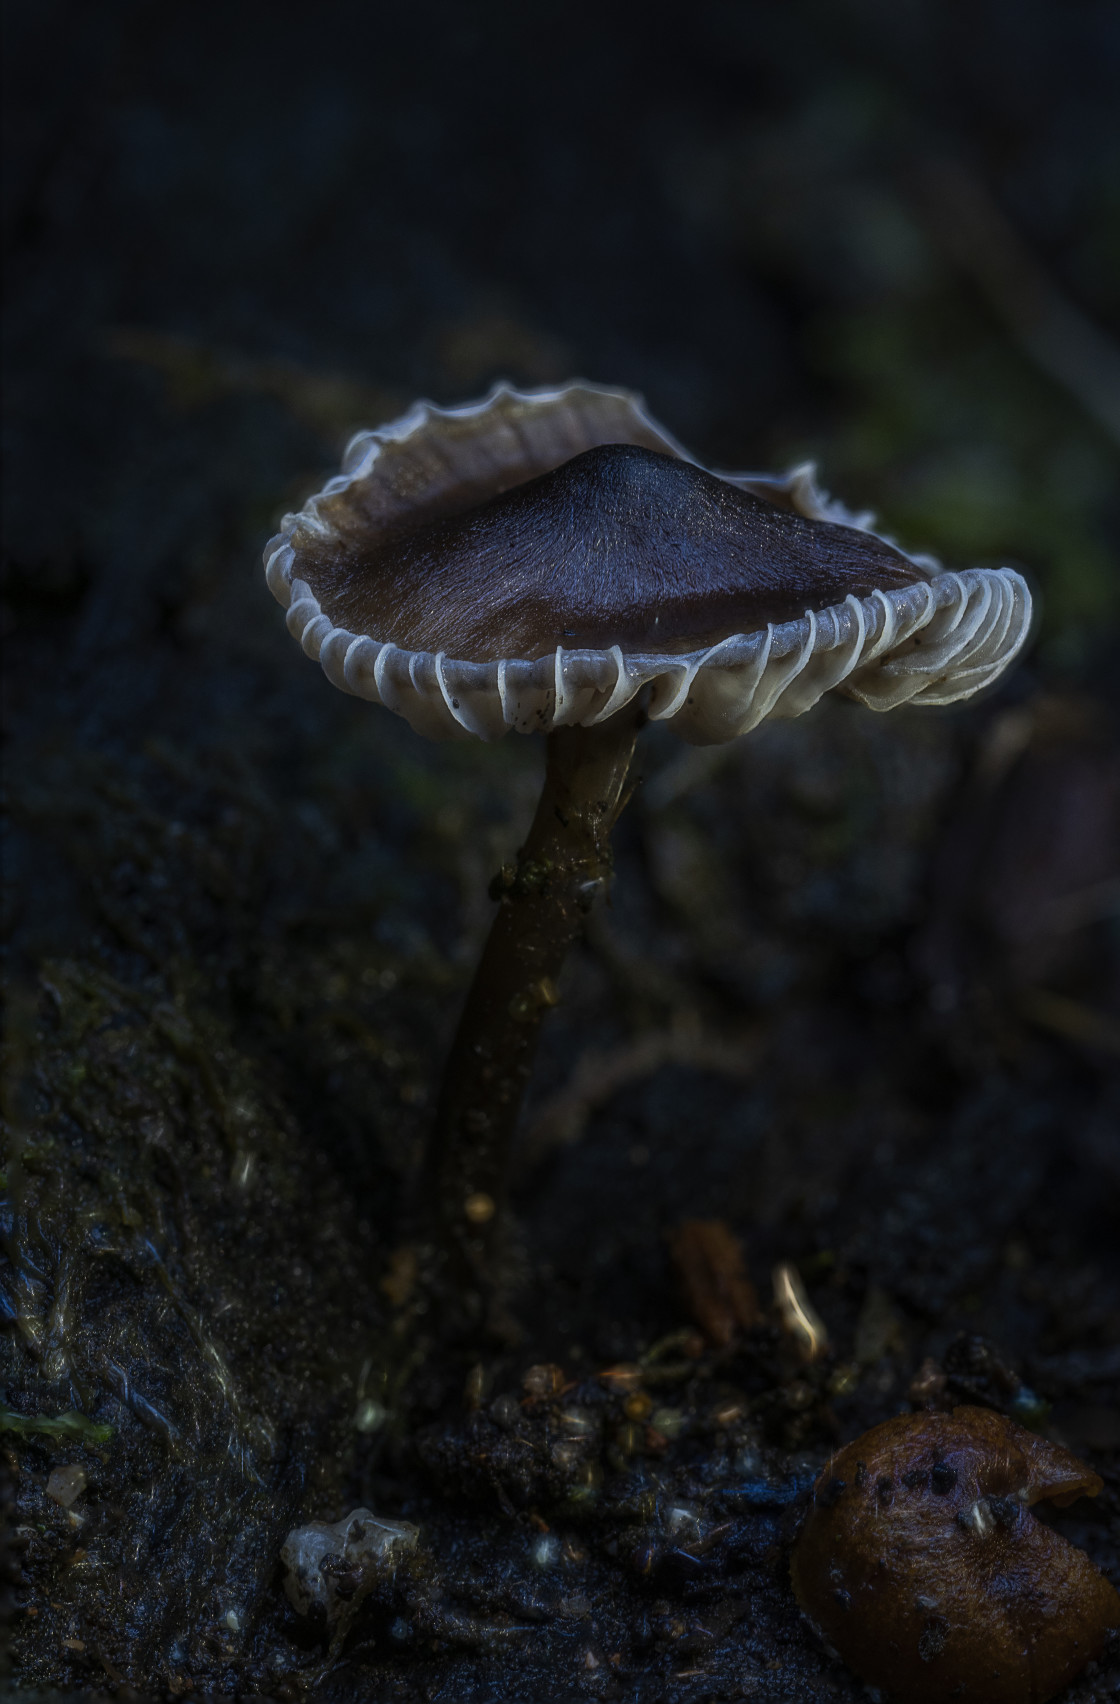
<point x="536" y="559"/>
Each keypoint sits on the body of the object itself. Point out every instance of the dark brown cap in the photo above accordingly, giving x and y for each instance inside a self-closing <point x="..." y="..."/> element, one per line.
<point x="537" y="558"/>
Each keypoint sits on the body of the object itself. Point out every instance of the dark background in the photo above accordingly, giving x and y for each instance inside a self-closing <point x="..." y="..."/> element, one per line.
<point x="873" y="962"/>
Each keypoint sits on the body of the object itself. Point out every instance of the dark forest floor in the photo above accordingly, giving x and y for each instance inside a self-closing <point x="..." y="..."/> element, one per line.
<point x="857" y="994"/>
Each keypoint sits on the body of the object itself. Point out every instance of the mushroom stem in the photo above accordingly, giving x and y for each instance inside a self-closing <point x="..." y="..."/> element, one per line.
<point x="562" y="868"/>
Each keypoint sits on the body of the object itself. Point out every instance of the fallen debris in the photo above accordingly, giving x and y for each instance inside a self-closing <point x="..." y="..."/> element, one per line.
<point x="329" y="1567"/>
<point x="709" y="1259"/>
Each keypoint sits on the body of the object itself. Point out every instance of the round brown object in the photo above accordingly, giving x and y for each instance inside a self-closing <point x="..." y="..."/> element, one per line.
<point x="922" y="1565"/>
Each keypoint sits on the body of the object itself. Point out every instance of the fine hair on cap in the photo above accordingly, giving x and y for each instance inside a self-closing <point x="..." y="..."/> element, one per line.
<point x="536" y="559"/>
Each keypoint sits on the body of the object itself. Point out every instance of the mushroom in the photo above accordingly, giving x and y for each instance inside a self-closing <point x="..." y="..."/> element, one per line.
<point x="553" y="561"/>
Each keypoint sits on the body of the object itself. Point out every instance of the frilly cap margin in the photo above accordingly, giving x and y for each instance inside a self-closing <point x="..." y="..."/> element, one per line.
<point x="934" y="642"/>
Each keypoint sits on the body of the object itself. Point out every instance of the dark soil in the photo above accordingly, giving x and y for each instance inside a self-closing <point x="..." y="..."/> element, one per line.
<point x="858" y="992"/>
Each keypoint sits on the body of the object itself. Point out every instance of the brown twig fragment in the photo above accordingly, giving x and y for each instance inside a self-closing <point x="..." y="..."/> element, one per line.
<point x="709" y="1259"/>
